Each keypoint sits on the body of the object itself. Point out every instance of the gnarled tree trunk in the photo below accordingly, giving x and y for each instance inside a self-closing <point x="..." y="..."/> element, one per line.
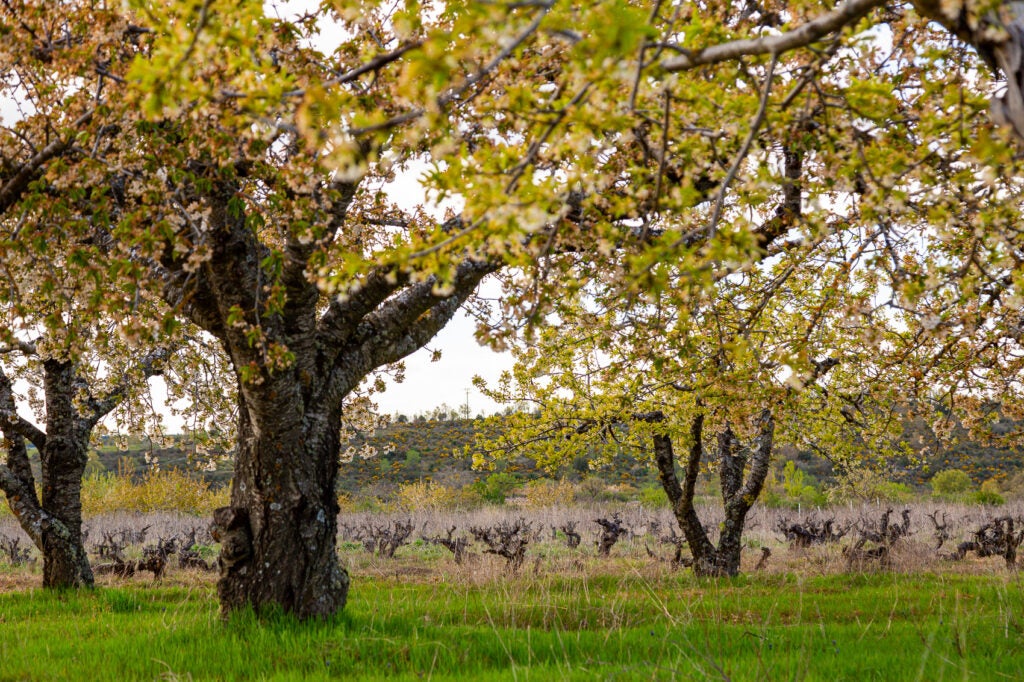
<point x="54" y="521"/>
<point x="296" y="359"/>
<point x="738" y="495"/>
<point x="278" y="537"/>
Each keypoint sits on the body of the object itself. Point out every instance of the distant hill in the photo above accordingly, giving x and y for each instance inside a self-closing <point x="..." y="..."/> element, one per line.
<point x="434" y="450"/>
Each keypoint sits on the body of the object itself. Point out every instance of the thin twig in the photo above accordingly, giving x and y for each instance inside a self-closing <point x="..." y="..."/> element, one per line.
<point x="204" y="16"/>
<point x="745" y="149"/>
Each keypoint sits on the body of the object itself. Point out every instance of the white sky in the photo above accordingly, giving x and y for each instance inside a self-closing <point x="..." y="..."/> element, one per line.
<point x="428" y="384"/>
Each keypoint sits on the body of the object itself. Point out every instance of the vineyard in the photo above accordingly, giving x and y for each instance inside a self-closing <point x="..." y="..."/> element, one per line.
<point x="436" y="450"/>
<point x="506" y="541"/>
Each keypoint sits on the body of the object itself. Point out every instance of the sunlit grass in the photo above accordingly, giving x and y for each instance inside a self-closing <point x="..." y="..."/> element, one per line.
<point x="628" y="626"/>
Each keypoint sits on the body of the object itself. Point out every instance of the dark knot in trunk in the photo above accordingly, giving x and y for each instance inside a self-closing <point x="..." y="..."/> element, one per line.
<point x="231" y="529"/>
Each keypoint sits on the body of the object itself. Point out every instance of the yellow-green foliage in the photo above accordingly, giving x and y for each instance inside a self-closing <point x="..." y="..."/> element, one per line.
<point x="171" y="490"/>
<point x="423" y="495"/>
<point x="544" y="492"/>
<point x="951" y="482"/>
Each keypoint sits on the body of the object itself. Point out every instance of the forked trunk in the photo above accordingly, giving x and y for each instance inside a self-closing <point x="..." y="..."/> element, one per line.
<point x="311" y="351"/>
<point x="738" y="496"/>
<point x="278" y="537"/>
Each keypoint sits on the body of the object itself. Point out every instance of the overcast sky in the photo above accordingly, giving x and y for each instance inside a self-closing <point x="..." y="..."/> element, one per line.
<point x="428" y="384"/>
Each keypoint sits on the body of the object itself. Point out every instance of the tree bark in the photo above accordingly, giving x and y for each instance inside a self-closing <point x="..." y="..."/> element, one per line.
<point x="278" y="537"/>
<point x="738" y="496"/>
<point x="54" y="521"/>
<point x="681" y="497"/>
<point x="65" y="563"/>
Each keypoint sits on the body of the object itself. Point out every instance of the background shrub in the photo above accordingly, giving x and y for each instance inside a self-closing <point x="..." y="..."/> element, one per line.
<point x="951" y="483"/>
<point x="544" y="492"/>
<point x="496" y="487"/>
<point x="868" y="485"/>
<point x="157" y="490"/>
<point x="425" y="495"/>
<point x="653" y="496"/>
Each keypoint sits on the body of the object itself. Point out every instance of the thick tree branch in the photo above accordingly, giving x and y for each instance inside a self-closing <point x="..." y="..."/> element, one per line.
<point x="687" y="517"/>
<point x="665" y="459"/>
<point x="300" y="315"/>
<point x="759" y="462"/>
<point x="398" y="328"/>
<point x="150" y="365"/>
<point x="731" y="473"/>
<point x="14" y="185"/>
<point x="849" y="12"/>
<point x="12" y="424"/>
<point x="392" y="319"/>
<point x="16" y="479"/>
<point x="423" y="316"/>
<point x="21" y="496"/>
<point x="190" y="294"/>
<point x="338" y="324"/>
<point x="230" y="279"/>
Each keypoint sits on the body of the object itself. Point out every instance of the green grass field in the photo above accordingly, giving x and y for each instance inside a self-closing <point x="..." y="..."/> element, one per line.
<point x="624" y="626"/>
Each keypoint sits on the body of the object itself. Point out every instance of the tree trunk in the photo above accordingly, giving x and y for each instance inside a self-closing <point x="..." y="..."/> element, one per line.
<point x="295" y="363"/>
<point x="54" y="522"/>
<point x="278" y="537"/>
<point x="738" y="496"/>
<point x="65" y="563"/>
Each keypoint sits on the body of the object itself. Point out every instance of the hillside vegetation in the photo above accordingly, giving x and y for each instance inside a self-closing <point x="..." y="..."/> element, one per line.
<point x="435" y="455"/>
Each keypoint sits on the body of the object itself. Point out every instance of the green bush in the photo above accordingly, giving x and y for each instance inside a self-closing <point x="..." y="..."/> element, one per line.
<point x="653" y="496"/>
<point x="796" y="489"/>
<point x="496" y="487"/>
<point x="988" y="497"/>
<point x="951" y="483"/>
